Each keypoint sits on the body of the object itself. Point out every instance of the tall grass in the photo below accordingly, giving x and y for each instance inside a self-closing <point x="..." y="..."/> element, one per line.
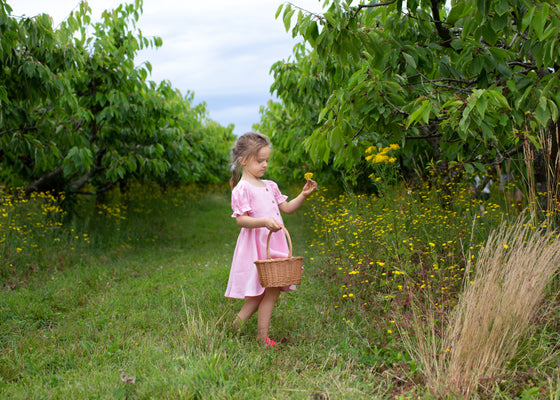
<point x="473" y="345"/>
<point x="513" y="270"/>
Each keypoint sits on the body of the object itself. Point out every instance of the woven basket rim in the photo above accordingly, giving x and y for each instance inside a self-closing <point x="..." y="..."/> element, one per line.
<point x="273" y="260"/>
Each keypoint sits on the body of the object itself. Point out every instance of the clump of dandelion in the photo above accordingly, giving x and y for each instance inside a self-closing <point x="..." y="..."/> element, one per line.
<point x="381" y="154"/>
<point x="384" y="165"/>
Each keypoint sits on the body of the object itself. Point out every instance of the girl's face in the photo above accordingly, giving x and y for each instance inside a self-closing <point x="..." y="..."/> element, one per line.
<point x="256" y="166"/>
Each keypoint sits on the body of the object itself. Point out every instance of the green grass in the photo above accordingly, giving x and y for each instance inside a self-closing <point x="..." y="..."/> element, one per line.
<point x="144" y="294"/>
<point x="155" y="309"/>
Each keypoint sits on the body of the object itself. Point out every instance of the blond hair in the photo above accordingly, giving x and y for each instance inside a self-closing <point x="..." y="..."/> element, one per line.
<point x="246" y="146"/>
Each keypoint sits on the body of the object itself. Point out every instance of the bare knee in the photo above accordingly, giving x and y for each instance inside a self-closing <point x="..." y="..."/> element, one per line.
<point x="272" y="293"/>
<point x="254" y="299"/>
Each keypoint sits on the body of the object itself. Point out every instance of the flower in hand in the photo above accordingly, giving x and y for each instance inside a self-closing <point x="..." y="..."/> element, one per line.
<point x="308" y="175"/>
<point x="310" y="187"/>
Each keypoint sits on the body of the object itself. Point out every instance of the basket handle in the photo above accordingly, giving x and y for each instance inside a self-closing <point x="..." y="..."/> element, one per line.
<point x="287" y="237"/>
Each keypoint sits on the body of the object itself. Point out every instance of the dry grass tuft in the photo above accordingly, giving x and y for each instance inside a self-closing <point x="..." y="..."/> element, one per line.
<point x="493" y="313"/>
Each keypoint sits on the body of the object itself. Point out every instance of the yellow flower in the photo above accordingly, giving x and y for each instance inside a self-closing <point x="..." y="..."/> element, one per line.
<point x="308" y="175"/>
<point x="506" y="246"/>
<point x="380" y="158"/>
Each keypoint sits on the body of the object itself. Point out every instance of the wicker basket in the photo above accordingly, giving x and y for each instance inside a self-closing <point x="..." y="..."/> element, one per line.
<point x="278" y="272"/>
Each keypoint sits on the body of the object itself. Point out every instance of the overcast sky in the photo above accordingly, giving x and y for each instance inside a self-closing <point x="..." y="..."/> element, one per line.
<point x="221" y="50"/>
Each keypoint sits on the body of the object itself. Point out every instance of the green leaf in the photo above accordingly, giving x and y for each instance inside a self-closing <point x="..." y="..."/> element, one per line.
<point x="534" y="140"/>
<point x="489" y="34"/>
<point x="481" y="105"/>
<point x="409" y="59"/>
<point x="527" y="18"/>
<point x="85" y="158"/>
<point x="499" y="99"/>
<point x="421" y="114"/>
<point x="501" y="7"/>
<point x="287" y="18"/>
<point x="278" y="11"/>
<point x="541" y="112"/>
<point x="499" y="22"/>
<point x="551" y="31"/>
<point x="553" y="110"/>
<point x="483" y="7"/>
<point x="480" y="167"/>
<point x="457" y="44"/>
<point x="312" y="33"/>
<point x="541" y="17"/>
<point x="3" y="95"/>
<point x="457" y="12"/>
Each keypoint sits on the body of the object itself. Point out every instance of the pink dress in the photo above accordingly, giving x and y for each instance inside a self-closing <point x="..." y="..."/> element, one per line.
<point x="257" y="202"/>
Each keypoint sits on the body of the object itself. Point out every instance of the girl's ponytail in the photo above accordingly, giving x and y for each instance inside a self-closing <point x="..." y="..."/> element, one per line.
<point x="234" y="178"/>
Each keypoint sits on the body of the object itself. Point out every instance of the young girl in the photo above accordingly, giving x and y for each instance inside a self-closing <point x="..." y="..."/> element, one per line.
<point x="256" y="205"/>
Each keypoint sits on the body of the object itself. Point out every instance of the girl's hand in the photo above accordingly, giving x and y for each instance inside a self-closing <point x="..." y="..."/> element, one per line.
<point x="273" y="225"/>
<point x="310" y="187"/>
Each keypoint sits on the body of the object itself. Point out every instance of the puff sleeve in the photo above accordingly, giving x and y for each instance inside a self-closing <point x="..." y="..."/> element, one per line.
<point x="240" y="201"/>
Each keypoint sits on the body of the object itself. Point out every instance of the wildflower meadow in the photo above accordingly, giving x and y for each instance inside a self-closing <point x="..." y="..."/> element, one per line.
<point x="386" y="277"/>
<point x="402" y="263"/>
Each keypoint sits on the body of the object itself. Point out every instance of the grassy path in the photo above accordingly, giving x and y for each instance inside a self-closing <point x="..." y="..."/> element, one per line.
<point x="157" y="312"/>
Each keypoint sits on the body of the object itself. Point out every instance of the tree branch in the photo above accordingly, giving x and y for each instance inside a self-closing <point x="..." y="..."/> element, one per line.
<point x="82" y="180"/>
<point x="318" y="16"/>
<point x="442" y="31"/>
<point x="358" y="133"/>
<point x="372" y="5"/>
<point x="507" y="154"/>
<point x="101" y="190"/>
<point x="395" y="108"/>
<point x="24" y="129"/>
<point x="434" y="136"/>
<point x="106" y="187"/>
<point x="36" y="186"/>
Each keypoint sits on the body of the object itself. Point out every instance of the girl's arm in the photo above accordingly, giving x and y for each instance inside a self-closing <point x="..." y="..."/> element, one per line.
<point x="291" y="206"/>
<point x="244" y="221"/>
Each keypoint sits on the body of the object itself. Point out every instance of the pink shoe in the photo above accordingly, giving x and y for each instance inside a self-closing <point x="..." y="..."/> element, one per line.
<point x="269" y="343"/>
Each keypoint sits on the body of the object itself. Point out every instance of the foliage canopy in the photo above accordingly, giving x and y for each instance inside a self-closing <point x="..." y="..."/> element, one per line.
<point x="464" y="82"/>
<point x="77" y="115"/>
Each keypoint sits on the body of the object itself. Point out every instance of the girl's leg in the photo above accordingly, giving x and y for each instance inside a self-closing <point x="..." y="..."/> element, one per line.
<point x="249" y="308"/>
<point x="265" y="311"/>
